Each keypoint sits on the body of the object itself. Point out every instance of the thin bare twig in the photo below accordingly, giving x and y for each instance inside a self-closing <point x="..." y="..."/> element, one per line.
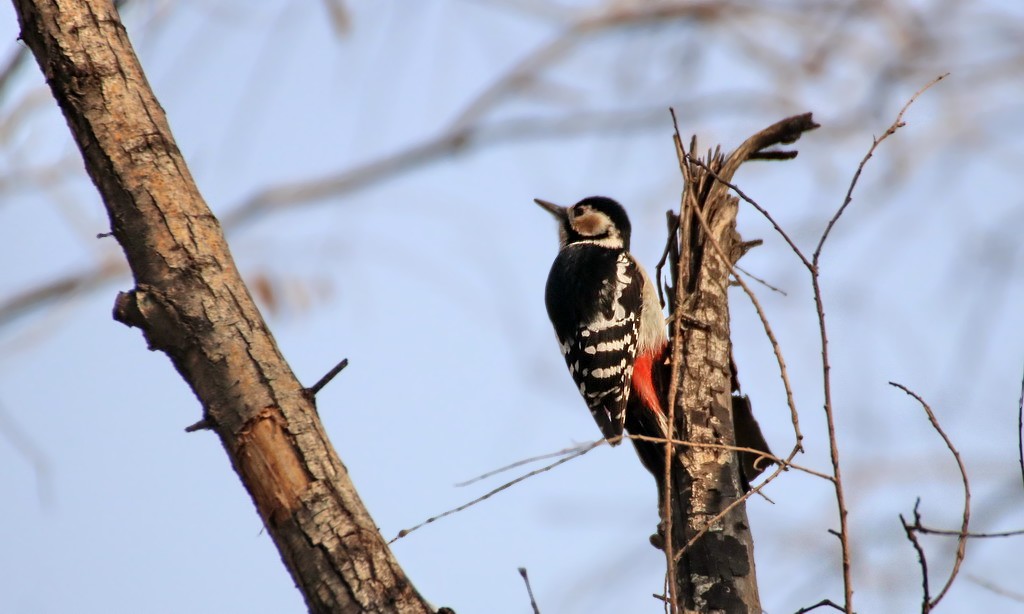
<point x="961" y="549"/>
<point x="529" y="590"/>
<point x="825" y="366"/>
<point x="491" y="493"/>
<point x="760" y="281"/>
<point x="992" y="534"/>
<point x="754" y="490"/>
<point x="896" y="125"/>
<point x="326" y="379"/>
<point x="764" y="212"/>
<point x="682" y="226"/>
<point x="520" y="463"/>
<point x="821" y="604"/>
<point x="833" y="443"/>
<point x="721" y="446"/>
<point x="922" y="560"/>
<point x="1020" y="429"/>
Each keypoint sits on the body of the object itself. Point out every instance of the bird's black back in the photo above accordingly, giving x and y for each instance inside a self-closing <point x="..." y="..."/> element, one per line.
<point x="573" y="294"/>
<point x="596" y="333"/>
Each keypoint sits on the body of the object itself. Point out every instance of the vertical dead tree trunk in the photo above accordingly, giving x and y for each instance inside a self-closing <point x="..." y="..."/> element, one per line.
<point x="709" y="547"/>
<point x="190" y="303"/>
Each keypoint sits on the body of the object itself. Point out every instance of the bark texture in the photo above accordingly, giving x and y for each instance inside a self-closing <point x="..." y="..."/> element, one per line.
<point x="190" y="302"/>
<point x="710" y="542"/>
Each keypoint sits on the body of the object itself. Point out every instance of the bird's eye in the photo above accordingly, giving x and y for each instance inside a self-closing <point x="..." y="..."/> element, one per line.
<point x="578" y="210"/>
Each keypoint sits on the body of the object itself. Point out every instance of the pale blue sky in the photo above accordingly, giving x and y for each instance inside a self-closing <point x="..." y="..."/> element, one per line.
<point x="431" y="283"/>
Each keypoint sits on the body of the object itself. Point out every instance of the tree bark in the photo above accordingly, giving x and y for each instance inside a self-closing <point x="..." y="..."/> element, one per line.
<point x="710" y="543"/>
<point x="190" y="302"/>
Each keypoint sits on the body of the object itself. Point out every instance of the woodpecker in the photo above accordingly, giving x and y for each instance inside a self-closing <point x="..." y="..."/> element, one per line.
<point x="608" y="321"/>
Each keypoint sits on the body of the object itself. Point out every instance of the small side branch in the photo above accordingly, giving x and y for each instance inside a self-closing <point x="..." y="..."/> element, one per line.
<point x="783" y="132"/>
<point x="326" y="379"/>
<point x="529" y="590"/>
<point x="1020" y="429"/>
<point x="923" y="530"/>
<point x="202" y="425"/>
<point x="821" y="604"/>
<point x="961" y="549"/>
<point x="926" y="598"/>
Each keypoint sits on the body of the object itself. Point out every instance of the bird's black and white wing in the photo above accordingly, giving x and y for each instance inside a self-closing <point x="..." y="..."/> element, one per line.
<point x="596" y="318"/>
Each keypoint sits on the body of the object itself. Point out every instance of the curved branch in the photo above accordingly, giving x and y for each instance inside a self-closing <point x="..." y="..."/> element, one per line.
<point x="961" y="547"/>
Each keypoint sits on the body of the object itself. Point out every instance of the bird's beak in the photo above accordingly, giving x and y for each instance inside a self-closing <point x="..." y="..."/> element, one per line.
<point x="559" y="212"/>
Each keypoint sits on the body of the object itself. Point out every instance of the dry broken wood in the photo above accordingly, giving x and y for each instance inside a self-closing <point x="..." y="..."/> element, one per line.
<point x="709" y="545"/>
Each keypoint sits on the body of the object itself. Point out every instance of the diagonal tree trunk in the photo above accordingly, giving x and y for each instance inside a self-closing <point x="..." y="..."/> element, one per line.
<point x="710" y="547"/>
<point x="190" y="302"/>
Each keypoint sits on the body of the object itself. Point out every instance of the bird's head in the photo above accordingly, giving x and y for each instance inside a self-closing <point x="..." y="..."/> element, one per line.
<point x="596" y="220"/>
